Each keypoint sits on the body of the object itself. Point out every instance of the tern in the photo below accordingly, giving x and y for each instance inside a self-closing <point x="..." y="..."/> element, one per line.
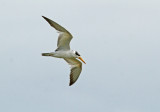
<point x="63" y="51"/>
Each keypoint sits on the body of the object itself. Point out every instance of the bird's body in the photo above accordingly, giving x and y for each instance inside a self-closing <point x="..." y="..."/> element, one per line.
<point x="60" y="54"/>
<point x="63" y="51"/>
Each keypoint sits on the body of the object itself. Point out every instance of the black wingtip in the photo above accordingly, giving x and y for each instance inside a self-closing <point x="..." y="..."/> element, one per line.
<point x="44" y="17"/>
<point x="71" y="83"/>
<point x="48" y="20"/>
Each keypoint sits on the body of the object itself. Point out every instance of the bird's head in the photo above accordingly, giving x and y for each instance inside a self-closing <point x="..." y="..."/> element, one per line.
<point x="77" y="55"/>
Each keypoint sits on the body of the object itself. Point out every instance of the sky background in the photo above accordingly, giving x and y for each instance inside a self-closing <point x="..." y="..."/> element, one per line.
<point x="118" y="39"/>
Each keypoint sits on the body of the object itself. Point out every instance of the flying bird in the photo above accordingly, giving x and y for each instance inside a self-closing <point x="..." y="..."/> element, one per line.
<point x="63" y="51"/>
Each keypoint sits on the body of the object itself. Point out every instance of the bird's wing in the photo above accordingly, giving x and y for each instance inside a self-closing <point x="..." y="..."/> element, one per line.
<point x="76" y="68"/>
<point x="64" y="36"/>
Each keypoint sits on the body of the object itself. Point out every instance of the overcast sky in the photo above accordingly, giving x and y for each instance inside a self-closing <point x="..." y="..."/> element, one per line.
<point x="118" y="39"/>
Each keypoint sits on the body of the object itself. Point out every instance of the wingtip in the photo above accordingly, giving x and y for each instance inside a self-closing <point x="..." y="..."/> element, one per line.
<point x="71" y="83"/>
<point x="44" y="17"/>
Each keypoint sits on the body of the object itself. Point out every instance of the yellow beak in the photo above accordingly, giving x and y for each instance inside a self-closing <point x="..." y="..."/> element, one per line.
<point x="82" y="60"/>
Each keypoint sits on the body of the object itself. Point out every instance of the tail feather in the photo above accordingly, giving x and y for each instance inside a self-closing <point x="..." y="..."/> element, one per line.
<point x="47" y="54"/>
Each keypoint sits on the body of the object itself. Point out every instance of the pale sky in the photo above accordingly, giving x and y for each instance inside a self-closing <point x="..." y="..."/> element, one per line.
<point x="118" y="39"/>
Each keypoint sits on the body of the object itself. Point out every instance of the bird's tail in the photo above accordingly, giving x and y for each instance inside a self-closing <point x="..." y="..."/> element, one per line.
<point x="47" y="54"/>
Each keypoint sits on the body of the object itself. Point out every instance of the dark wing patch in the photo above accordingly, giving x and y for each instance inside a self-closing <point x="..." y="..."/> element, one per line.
<point x="55" y="25"/>
<point x="74" y="74"/>
<point x="76" y="68"/>
<point x="64" y="36"/>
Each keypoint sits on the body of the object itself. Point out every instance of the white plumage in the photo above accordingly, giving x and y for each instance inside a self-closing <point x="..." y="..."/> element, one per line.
<point x="63" y="51"/>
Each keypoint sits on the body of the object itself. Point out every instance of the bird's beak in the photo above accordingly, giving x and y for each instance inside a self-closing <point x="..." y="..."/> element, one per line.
<point x="82" y="60"/>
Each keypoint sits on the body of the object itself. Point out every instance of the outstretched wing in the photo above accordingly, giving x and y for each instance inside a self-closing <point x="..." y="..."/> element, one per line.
<point x="76" y="68"/>
<point x="64" y="36"/>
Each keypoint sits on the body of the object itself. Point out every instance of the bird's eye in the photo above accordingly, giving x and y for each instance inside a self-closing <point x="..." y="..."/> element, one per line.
<point x="77" y="53"/>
